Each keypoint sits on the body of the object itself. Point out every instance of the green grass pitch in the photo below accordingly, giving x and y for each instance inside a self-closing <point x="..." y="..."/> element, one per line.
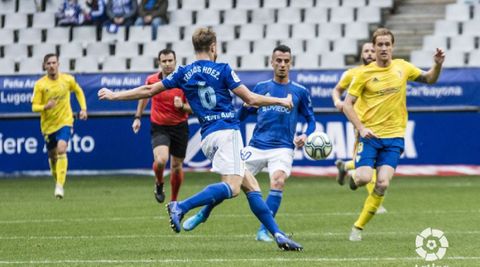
<point x="114" y="221"/>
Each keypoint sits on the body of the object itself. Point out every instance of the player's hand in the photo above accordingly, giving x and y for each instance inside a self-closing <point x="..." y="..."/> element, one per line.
<point x="287" y="101"/>
<point x="339" y="105"/>
<point x="83" y="115"/>
<point x="177" y="102"/>
<point x="136" y="125"/>
<point x="439" y="56"/>
<point x="106" y="94"/>
<point x="50" y="104"/>
<point x="367" y="133"/>
<point x="299" y="141"/>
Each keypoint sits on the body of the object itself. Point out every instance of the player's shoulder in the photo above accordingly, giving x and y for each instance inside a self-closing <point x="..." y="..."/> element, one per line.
<point x="65" y="77"/>
<point x="299" y="87"/>
<point x="154" y="77"/>
<point x="264" y="83"/>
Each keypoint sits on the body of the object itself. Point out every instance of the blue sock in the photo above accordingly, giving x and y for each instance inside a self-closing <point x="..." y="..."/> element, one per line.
<point x="208" y="209"/>
<point x="263" y="213"/>
<point x="273" y="201"/>
<point x="214" y="193"/>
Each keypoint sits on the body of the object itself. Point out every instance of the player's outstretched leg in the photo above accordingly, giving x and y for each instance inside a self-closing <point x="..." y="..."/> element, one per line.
<point x="273" y="201"/>
<point x="200" y="217"/>
<point x="341" y="171"/>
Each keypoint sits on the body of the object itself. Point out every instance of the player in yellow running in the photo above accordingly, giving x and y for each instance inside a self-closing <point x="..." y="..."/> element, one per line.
<point x="380" y="117"/>
<point x="51" y="98"/>
<point x="367" y="55"/>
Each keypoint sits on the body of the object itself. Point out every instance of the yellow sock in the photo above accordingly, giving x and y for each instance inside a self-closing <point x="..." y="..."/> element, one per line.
<point x="62" y="164"/>
<point x="349" y="165"/>
<point x="371" y="205"/>
<point x="370" y="186"/>
<point x="53" y="169"/>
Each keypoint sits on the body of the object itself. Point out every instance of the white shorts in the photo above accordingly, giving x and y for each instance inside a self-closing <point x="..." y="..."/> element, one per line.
<point x="277" y="159"/>
<point x="223" y="148"/>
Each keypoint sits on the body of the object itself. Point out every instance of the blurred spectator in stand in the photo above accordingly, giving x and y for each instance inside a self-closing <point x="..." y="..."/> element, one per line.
<point x="152" y="12"/>
<point x="96" y="11"/>
<point x="121" y="13"/>
<point x="70" y="13"/>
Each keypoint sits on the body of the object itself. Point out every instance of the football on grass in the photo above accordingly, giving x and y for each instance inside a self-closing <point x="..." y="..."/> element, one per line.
<point x="318" y="145"/>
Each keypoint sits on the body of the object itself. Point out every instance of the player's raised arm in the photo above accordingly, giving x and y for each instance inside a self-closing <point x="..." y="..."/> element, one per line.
<point x="144" y="91"/>
<point x="256" y="100"/>
<point x="431" y="76"/>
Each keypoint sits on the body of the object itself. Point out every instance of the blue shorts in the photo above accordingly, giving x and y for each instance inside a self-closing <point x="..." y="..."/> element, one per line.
<point x="376" y="152"/>
<point x="63" y="133"/>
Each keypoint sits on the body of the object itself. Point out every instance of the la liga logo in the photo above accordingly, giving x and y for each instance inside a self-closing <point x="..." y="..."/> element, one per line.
<point x="431" y="244"/>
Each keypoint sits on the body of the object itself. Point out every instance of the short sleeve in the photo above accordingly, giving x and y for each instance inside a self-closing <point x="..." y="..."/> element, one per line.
<point x="346" y="79"/>
<point x="413" y="71"/>
<point x="174" y="79"/>
<point x="230" y="77"/>
<point x="356" y="86"/>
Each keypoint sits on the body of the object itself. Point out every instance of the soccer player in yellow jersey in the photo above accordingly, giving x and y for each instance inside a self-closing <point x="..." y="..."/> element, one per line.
<point x="367" y="55"/>
<point x="380" y="116"/>
<point x="51" y="98"/>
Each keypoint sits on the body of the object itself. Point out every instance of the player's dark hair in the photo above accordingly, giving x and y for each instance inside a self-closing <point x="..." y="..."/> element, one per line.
<point x="167" y="51"/>
<point x="282" y="48"/>
<point x="46" y="58"/>
<point x="202" y="39"/>
<point x="382" y="32"/>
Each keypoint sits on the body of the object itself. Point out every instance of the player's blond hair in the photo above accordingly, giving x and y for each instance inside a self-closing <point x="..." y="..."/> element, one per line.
<point x="382" y="32"/>
<point x="202" y="39"/>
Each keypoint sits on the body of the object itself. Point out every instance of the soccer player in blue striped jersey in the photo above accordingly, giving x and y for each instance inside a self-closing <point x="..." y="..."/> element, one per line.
<point x="274" y="137"/>
<point x="207" y="86"/>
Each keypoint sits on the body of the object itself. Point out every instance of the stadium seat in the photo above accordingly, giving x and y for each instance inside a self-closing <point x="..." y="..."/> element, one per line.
<point x="29" y="36"/>
<point x="332" y="61"/>
<point x="274" y="3"/>
<point x="463" y="43"/>
<point x="43" y="20"/>
<point x="207" y="17"/>
<point x="98" y="50"/>
<point x="304" y="31"/>
<point x="29" y="7"/>
<point x="430" y="42"/>
<point x="264" y="46"/>
<point x="306" y="61"/>
<point x="316" y="15"/>
<point x="7" y="7"/>
<point x="193" y="4"/>
<point x="345" y="46"/>
<point x="181" y="17"/>
<point x="457" y="12"/>
<point x="446" y="28"/>
<point x="454" y="59"/>
<point x="253" y="62"/>
<point x="138" y="34"/>
<point x="248" y="4"/>
<point x="381" y="3"/>
<point x="7" y="67"/>
<point x="289" y="15"/>
<point x="471" y="27"/>
<point x="84" y="34"/>
<point x="235" y="16"/>
<point x="151" y="49"/>
<point x="422" y="58"/>
<point x="40" y="50"/>
<point x="302" y="3"/>
<point x="251" y="32"/>
<point x="225" y="32"/>
<point x="330" y="30"/>
<point x="474" y="59"/>
<point x="232" y="60"/>
<point x="296" y="45"/>
<point x="187" y="32"/>
<point x="317" y="46"/>
<point x="71" y="50"/>
<point x="64" y="64"/>
<point x="263" y="16"/>
<point x="58" y="35"/>
<point x="7" y="36"/>
<point x="356" y="3"/>
<point x="357" y="30"/>
<point x="119" y="36"/>
<point x="142" y="64"/>
<point x="183" y="47"/>
<point x="86" y="64"/>
<point x="114" y="64"/>
<point x="220" y="4"/>
<point x="328" y="3"/>
<point x="476" y="12"/>
<point x="172" y="5"/>
<point x="52" y="6"/>
<point x="369" y="14"/>
<point x="31" y="65"/>
<point x="15" y="51"/>
<point x="277" y="31"/>
<point x="126" y="49"/>
<point x="238" y="47"/>
<point x="15" y="21"/>
<point x="168" y="33"/>
<point x="341" y="14"/>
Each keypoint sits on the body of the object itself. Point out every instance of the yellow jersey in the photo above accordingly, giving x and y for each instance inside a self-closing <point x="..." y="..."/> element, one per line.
<point x="60" y="115"/>
<point x="347" y="78"/>
<point x="382" y="96"/>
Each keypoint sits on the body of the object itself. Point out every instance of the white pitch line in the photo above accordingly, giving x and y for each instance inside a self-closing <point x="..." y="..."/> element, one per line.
<point x="316" y="214"/>
<point x="213" y="236"/>
<point x="220" y="260"/>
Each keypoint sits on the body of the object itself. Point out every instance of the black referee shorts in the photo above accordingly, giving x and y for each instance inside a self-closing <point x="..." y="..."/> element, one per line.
<point x="173" y="136"/>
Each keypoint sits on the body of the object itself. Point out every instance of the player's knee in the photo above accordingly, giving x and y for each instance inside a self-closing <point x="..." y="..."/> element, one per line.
<point x="381" y="186"/>
<point x="176" y="167"/>
<point x="362" y="177"/>
<point x="160" y="163"/>
<point x="277" y="184"/>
